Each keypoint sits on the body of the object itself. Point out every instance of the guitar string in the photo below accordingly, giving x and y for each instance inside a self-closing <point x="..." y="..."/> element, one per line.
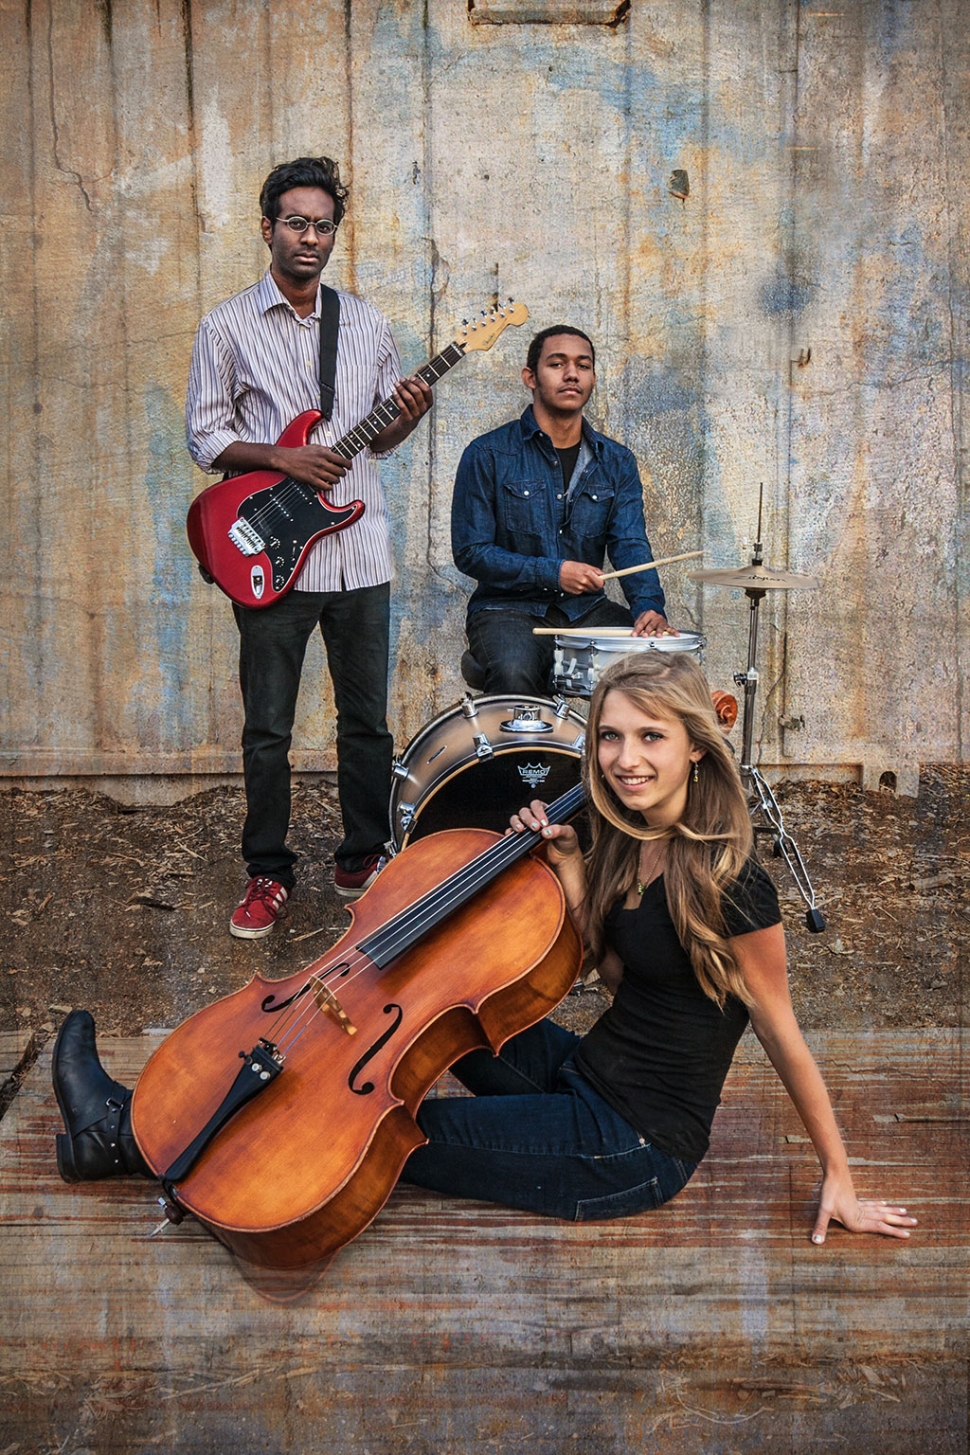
<point x="409" y="926"/>
<point x="349" y="445"/>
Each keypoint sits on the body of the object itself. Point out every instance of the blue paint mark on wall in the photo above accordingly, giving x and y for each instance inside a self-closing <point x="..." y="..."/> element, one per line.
<point x="173" y="562"/>
<point x="785" y="294"/>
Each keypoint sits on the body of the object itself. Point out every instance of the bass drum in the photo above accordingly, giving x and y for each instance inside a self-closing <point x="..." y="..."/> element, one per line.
<point x="473" y="766"/>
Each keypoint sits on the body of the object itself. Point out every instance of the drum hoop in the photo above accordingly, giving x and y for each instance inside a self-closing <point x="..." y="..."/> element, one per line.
<point x="510" y="697"/>
<point x="621" y="644"/>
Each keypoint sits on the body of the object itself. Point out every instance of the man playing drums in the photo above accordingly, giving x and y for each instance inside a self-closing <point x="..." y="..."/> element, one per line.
<point x="538" y="504"/>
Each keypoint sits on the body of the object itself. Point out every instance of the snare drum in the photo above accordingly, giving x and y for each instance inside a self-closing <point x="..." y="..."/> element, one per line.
<point x="473" y="766"/>
<point x="581" y="657"/>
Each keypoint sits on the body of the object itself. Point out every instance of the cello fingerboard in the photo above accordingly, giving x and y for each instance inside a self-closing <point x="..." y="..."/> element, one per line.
<point x="419" y="919"/>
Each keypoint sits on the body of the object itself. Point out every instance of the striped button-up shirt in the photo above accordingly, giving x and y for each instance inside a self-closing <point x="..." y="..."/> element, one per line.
<point x="255" y="367"/>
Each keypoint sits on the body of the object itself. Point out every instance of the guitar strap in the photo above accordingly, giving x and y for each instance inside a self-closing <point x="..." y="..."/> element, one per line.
<point x="329" y="328"/>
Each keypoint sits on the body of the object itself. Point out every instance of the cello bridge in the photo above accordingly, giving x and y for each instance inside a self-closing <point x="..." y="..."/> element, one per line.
<point x="330" y="1005"/>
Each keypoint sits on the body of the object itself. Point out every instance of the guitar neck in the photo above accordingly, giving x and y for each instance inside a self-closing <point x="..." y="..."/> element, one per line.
<point x="383" y="414"/>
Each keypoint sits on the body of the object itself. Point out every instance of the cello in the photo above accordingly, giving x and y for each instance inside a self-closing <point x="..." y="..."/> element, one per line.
<point x="462" y="941"/>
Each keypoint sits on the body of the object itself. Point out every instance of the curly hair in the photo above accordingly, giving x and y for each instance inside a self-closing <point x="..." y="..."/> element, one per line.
<point x="535" y="347"/>
<point x="320" y="172"/>
<point x="709" y="845"/>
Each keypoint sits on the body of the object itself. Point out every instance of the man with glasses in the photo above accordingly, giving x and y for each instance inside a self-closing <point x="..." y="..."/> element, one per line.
<point x="538" y="504"/>
<point x="255" y="367"/>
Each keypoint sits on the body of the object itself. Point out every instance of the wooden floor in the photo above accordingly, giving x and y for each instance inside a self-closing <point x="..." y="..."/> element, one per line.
<point x="713" y="1325"/>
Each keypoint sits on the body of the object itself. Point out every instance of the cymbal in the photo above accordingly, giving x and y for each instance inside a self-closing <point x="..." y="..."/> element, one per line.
<point x="758" y="578"/>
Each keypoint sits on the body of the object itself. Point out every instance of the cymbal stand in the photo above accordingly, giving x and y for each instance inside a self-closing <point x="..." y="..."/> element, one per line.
<point x="760" y="797"/>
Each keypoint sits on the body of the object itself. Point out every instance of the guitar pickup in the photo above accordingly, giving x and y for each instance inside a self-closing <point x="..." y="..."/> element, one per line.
<point x="245" y="538"/>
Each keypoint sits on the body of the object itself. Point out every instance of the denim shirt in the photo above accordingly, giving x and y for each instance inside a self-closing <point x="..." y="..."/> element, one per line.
<point x="511" y="527"/>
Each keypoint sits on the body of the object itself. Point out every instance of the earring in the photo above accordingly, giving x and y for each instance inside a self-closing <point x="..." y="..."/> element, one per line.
<point x="697" y="776"/>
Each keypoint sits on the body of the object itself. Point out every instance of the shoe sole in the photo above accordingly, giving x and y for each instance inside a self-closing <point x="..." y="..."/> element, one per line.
<point x="66" y="1165"/>
<point x="243" y="934"/>
<point x="354" y="893"/>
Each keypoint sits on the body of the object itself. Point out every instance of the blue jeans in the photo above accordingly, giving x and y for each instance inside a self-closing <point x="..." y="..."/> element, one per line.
<point x="355" y="626"/>
<point x="513" y="660"/>
<point x="536" y="1136"/>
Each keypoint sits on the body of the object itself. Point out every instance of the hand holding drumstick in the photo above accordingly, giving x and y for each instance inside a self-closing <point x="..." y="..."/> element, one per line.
<point x="578" y="578"/>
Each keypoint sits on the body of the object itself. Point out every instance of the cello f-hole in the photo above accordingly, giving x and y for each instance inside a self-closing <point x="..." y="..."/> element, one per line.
<point x="372" y="1051"/>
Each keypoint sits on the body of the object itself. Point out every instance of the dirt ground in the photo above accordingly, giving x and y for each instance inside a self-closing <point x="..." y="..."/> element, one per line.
<point x="125" y="910"/>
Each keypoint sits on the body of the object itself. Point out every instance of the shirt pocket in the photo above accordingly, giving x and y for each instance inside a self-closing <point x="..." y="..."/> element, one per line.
<point x="592" y="507"/>
<point x="523" y="504"/>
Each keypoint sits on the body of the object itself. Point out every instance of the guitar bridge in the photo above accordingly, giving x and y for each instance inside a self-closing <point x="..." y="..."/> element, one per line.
<point x="245" y="539"/>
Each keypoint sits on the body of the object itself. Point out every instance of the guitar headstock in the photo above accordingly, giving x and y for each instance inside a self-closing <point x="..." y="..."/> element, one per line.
<point x="481" y="332"/>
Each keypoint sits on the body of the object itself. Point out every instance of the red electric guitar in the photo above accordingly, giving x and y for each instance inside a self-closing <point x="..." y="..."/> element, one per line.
<point x="251" y="533"/>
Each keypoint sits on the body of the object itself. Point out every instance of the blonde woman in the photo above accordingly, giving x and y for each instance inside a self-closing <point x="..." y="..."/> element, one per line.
<point x="684" y="927"/>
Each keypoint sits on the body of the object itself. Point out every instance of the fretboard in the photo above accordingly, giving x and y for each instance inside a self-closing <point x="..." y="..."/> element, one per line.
<point x="385" y="413"/>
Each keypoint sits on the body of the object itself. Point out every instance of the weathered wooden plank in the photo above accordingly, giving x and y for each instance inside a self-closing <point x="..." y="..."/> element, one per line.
<point x="13" y="1048"/>
<point x="456" y="1325"/>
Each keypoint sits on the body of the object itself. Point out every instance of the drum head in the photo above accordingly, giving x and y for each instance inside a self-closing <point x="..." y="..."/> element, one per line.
<point x="480" y="761"/>
<point x="485" y="795"/>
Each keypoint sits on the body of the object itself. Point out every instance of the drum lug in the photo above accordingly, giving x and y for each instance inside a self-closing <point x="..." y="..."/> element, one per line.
<point x="405" y="812"/>
<point x="526" y="720"/>
<point x="561" y="706"/>
<point x="483" y="748"/>
<point x="580" y="742"/>
<point x="400" y="769"/>
<point x="468" y="706"/>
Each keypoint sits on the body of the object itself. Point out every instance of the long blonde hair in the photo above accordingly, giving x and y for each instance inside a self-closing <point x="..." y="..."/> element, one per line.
<point x="710" y="843"/>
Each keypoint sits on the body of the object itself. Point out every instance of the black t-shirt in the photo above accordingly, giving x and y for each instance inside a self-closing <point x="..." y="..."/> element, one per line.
<point x="660" y="1054"/>
<point x="567" y="461"/>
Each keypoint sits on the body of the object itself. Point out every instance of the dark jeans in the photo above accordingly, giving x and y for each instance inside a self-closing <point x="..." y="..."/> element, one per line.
<point x="272" y="645"/>
<point x="513" y="660"/>
<point x="536" y="1136"/>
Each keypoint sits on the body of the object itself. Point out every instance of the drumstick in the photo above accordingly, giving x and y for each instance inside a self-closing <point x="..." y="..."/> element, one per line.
<point x="650" y="565"/>
<point x="616" y="631"/>
<point x="565" y="631"/>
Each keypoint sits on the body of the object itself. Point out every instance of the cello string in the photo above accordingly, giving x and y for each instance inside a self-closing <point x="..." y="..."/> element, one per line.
<point x="410" y="924"/>
<point x="397" y="934"/>
<point x="390" y="939"/>
<point x="406" y="929"/>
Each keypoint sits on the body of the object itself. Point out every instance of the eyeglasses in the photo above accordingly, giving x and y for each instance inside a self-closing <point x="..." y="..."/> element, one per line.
<point x="323" y="227"/>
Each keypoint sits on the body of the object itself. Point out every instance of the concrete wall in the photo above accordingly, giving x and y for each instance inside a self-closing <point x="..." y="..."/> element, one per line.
<point x="827" y="154"/>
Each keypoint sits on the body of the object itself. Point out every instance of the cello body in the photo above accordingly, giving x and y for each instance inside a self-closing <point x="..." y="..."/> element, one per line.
<point x="305" y="1166"/>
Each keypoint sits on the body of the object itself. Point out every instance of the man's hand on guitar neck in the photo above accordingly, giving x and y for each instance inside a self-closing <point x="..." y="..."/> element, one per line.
<point x="317" y="465"/>
<point x="413" y="398"/>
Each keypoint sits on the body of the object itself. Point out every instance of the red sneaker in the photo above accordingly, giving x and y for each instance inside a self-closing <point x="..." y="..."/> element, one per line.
<point x="257" y="913"/>
<point x="351" y="883"/>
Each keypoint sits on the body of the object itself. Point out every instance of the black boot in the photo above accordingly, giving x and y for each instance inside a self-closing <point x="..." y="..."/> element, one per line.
<point x="98" y="1140"/>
